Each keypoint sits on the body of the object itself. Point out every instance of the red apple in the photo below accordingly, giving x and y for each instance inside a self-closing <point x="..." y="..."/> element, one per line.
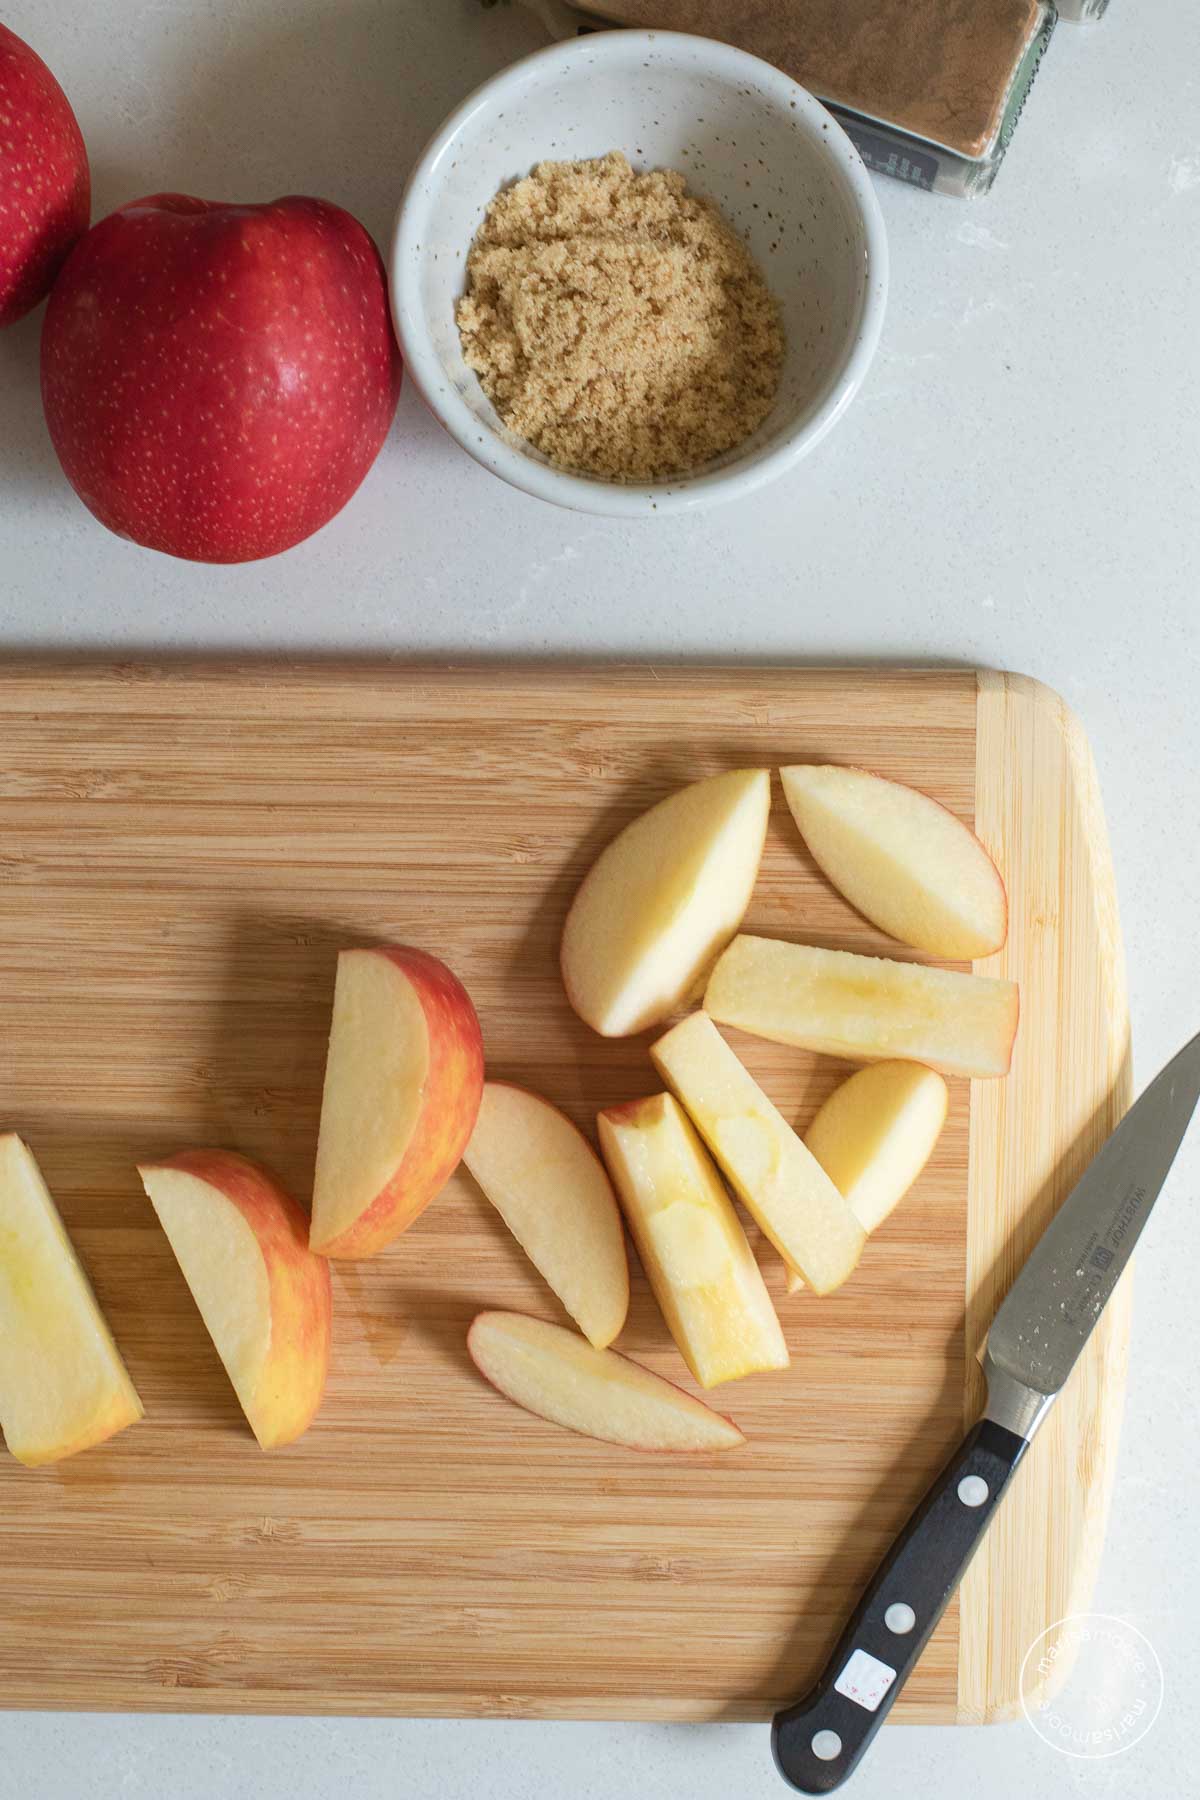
<point x="218" y="379"/>
<point x="45" y="187"/>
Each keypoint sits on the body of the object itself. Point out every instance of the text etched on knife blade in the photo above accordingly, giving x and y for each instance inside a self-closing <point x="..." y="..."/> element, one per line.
<point x="1096" y="1259"/>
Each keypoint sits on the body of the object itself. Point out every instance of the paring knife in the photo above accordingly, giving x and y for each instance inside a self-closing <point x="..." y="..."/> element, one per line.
<point x="1039" y="1331"/>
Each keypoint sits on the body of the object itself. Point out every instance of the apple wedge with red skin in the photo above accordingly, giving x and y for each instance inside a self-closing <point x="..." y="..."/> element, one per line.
<point x="45" y="183"/>
<point x="403" y="1082"/>
<point x="217" y="379"/>
<point x="241" y="1242"/>
<point x="902" y="858"/>
<point x="550" y="1188"/>
<point x="559" y="1376"/>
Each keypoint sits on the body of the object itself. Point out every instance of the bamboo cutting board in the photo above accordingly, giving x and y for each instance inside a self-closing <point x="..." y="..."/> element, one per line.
<point x="182" y="853"/>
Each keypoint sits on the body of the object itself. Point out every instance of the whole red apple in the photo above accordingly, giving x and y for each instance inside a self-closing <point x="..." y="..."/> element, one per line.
<point x="45" y="186"/>
<point x="218" y="379"/>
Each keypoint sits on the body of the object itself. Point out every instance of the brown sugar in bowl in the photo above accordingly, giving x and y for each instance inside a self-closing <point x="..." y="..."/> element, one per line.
<point x="769" y="157"/>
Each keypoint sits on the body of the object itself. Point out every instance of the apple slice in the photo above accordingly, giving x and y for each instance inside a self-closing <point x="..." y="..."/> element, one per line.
<point x="63" y="1386"/>
<point x="902" y="859"/>
<point x="865" y="1008"/>
<point x="690" y="1241"/>
<point x="242" y="1244"/>
<point x="549" y="1186"/>
<point x="551" y="1372"/>
<point x="403" y="1082"/>
<point x="662" y="900"/>
<point x="874" y="1135"/>
<point x="780" y="1182"/>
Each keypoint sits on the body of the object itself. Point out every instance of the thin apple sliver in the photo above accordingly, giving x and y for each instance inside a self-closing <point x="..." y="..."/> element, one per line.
<point x="559" y="1376"/>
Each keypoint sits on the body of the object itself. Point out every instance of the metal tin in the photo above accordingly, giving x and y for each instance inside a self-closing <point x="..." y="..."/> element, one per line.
<point x="896" y="125"/>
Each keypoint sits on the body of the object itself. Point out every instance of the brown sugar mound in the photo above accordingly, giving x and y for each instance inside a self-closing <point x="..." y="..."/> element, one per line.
<point x="617" y="323"/>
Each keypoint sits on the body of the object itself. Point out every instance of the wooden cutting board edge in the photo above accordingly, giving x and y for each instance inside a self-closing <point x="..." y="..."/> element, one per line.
<point x="1028" y="1147"/>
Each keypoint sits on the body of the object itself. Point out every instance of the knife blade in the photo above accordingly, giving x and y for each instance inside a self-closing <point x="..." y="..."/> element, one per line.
<point x="1058" y="1296"/>
<point x="1034" y="1342"/>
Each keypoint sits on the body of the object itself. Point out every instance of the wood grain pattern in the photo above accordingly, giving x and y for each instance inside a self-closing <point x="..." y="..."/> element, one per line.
<point x="182" y="853"/>
<point x="1038" y="1131"/>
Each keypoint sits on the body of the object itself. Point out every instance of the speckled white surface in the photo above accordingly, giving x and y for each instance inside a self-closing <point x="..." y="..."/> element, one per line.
<point x="1016" y="485"/>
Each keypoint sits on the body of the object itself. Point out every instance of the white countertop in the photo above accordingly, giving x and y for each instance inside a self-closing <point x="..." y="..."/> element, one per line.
<point x="1016" y="486"/>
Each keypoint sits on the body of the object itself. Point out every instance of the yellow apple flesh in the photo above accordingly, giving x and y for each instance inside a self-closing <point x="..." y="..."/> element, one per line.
<point x="874" y="1135"/>
<point x="865" y="1008"/>
<point x="63" y="1385"/>
<point x="780" y="1182"/>
<point x="691" y="1243"/>
<point x="662" y="900"/>
<point x="552" y="1372"/>
<point x="403" y="1080"/>
<point x="902" y="859"/>
<point x="550" y="1188"/>
<point x="264" y="1296"/>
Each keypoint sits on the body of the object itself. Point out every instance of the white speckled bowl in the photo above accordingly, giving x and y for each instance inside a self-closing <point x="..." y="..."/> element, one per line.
<point x="779" y="167"/>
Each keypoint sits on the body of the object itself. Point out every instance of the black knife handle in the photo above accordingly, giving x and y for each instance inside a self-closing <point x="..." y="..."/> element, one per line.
<point x="818" y="1742"/>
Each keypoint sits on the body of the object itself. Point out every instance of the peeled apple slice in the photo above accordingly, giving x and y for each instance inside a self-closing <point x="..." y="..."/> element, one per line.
<point x="874" y="1135"/>
<point x="902" y="859"/>
<point x="691" y="1242"/>
<point x="662" y="900"/>
<point x="865" y="1008"/>
<point x="776" y="1177"/>
<point x="63" y="1385"/>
